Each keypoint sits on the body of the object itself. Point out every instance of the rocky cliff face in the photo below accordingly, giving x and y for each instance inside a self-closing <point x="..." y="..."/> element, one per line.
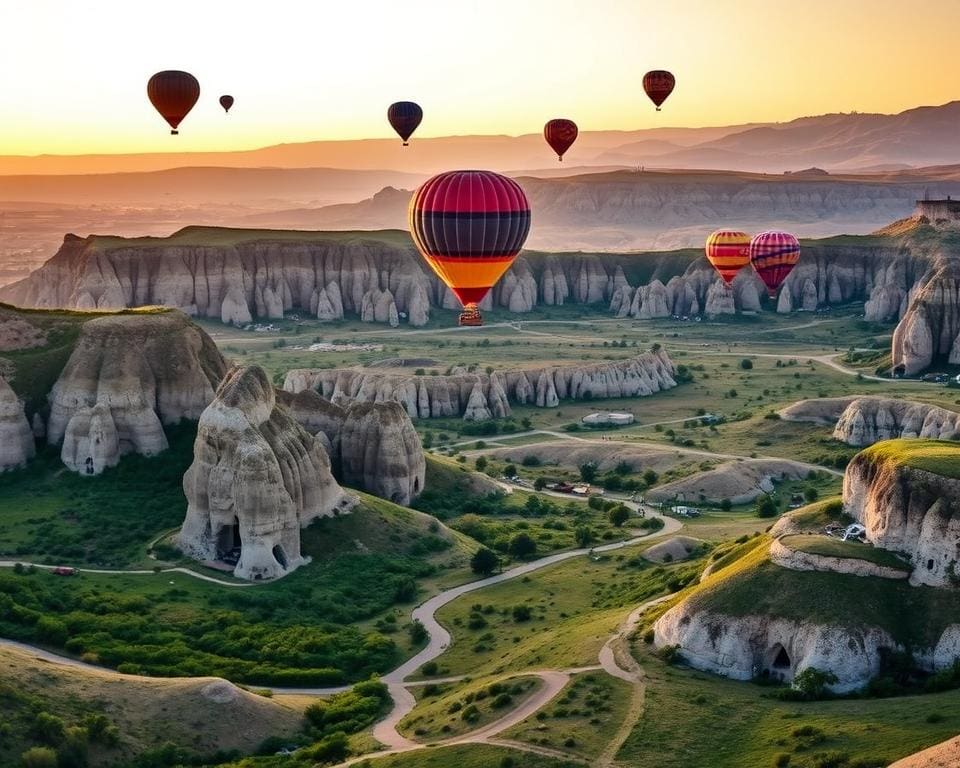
<point x="867" y="420"/>
<point x="257" y="478"/>
<point x="907" y="510"/>
<point x="16" y="436"/>
<point x="372" y="446"/>
<point x="744" y="647"/>
<point x="479" y="396"/>
<point x="128" y="375"/>
<point x="930" y="327"/>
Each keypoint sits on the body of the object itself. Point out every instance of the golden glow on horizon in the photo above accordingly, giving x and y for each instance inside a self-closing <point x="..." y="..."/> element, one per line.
<point x="301" y="70"/>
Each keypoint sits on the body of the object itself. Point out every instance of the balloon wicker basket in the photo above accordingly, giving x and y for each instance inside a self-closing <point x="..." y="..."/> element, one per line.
<point x="471" y="316"/>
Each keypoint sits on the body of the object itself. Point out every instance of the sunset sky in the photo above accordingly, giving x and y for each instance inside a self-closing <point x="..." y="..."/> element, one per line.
<point x="75" y="71"/>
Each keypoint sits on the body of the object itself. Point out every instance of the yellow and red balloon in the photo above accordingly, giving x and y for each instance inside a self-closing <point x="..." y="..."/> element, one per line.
<point x="728" y="250"/>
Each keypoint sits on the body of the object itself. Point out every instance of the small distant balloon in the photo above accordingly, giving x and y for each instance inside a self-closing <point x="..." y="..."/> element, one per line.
<point x="226" y="101"/>
<point x="173" y="94"/>
<point x="658" y="84"/>
<point x="728" y="251"/>
<point x="774" y="254"/>
<point x="404" y="116"/>
<point x="560" y="134"/>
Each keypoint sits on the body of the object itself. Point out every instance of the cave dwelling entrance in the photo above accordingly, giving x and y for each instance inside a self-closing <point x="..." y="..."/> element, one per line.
<point x="229" y="543"/>
<point x="779" y="666"/>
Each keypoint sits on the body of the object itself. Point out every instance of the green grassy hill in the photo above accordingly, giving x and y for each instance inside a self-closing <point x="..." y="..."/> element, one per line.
<point x="937" y="456"/>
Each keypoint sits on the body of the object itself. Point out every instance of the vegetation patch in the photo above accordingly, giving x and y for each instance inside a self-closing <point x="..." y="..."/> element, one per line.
<point x="828" y="546"/>
<point x="937" y="456"/>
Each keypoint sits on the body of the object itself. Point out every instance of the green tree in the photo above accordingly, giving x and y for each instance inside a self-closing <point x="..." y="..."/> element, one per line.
<point x="418" y="632"/>
<point x="726" y="505"/>
<point x="618" y="515"/>
<point x="484" y="561"/>
<point x="47" y="728"/>
<point x="540" y="483"/>
<point x="810" y="494"/>
<point x="510" y="470"/>
<point x="623" y="468"/>
<point x="521" y="613"/>
<point x="650" y="477"/>
<point x="766" y="506"/>
<point x="480" y="463"/>
<point x="73" y="751"/>
<point x="532" y="505"/>
<point x="522" y="546"/>
<point x="588" y="472"/>
<point x="583" y="535"/>
<point x="746" y="364"/>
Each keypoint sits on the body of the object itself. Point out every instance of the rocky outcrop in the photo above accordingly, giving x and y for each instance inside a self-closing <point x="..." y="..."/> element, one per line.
<point x="907" y="509"/>
<point x="372" y="446"/>
<point x="479" y="395"/>
<point x="257" y="478"/>
<point x="782" y="554"/>
<point x="929" y="329"/>
<point x="16" y="437"/>
<point x="745" y="647"/>
<point x="822" y="410"/>
<point x="129" y="375"/>
<point x="739" y="481"/>
<point x="868" y="420"/>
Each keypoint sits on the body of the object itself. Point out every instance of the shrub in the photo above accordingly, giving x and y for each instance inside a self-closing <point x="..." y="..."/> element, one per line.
<point x="810" y="494"/>
<point x="583" y="535"/>
<point x="39" y="757"/>
<point x="480" y="463"/>
<point x="588" y="472"/>
<point x="726" y="505"/>
<point x="484" y="561"/>
<point x="418" y="633"/>
<point x="502" y="700"/>
<point x="47" y="728"/>
<point x="531" y="460"/>
<point x="650" y="477"/>
<point x="510" y="470"/>
<point x="521" y="613"/>
<point x="766" y="506"/>
<point x="470" y="713"/>
<point x="522" y="546"/>
<point x="618" y="515"/>
<point x="746" y="364"/>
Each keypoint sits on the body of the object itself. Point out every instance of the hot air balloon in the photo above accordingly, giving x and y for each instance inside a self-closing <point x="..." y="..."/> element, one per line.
<point x="728" y="251"/>
<point x="173" y="94"/>
<point x="774" y="255"/>
<point x="658" y="84"/>
<point x="560" y="135"/>
<point x="469" y="227"/>
<point x="405" y="116"/>
<point x="226" y="101"/>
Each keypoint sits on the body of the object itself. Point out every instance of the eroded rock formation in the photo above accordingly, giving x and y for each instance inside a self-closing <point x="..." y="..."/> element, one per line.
<point x="128" y="375"/>
<point x="480" y="396"/>
<point x="908" y="510"/>
<point x="16" y="437"/>
<point x="738" y="481"/>
<point x="868" y="420"/>
<point x="372" y="446"/>
<point x="930" y="327"/>
<point x="257" y="478"/>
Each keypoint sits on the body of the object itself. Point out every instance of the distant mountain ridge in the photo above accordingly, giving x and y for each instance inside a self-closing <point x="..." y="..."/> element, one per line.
<point x="925" y="135"/>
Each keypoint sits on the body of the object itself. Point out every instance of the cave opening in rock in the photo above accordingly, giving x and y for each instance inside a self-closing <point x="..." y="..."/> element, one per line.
<point x="781" y="659"/>
<point x="281" y="556"/>
<point x="229" y="543"/>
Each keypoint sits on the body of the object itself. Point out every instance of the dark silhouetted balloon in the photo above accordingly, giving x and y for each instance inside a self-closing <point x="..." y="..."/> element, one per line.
<point x="728" y="251"/>
<point x="173" y="94"/>
<point x="658" y="84"/>
<point x="405" y="116"/>
<point x="560" y="135"/>
<point x="774" y="254"/>
<point x="469" y="227"/>
<point x="226" y="101"/>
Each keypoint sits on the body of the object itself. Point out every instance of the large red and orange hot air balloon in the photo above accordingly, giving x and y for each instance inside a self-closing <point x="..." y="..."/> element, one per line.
<point x="774" y="254"/>
<point x="226" y="101"/>
<point x="728" y="251"/>
<point x="173" y="94"/>
<point x="560" y="135"/>
<point x="469" y="226"/>
<point x="658" y="84"/>
<point x="404" y="116"/>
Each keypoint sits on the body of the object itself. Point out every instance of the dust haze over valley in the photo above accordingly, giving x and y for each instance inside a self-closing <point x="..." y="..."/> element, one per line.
<point x="315" y="451"/>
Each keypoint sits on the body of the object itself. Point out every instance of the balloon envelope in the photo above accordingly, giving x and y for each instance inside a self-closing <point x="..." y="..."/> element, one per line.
<point x="226" y="101"/>
<point x="658" y="84"/>
<point x="560" y="135"/>
<point x="728" y="251"/>
<point x="774" y="255"/>
<point x="404" y="116"/>
<point x="173" y="94"/>
<point x="469" y="227"/>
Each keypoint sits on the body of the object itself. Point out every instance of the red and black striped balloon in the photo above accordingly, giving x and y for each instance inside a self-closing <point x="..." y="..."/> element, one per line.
<point x="469" y="227"/>
<point x="560" y="134"/>
<point x="658" y="84"/>
<point x="173" y="94"/>
<point x="404" y="116"/>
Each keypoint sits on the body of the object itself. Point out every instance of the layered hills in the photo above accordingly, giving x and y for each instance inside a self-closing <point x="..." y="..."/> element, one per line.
<point x="800" y="599"/>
